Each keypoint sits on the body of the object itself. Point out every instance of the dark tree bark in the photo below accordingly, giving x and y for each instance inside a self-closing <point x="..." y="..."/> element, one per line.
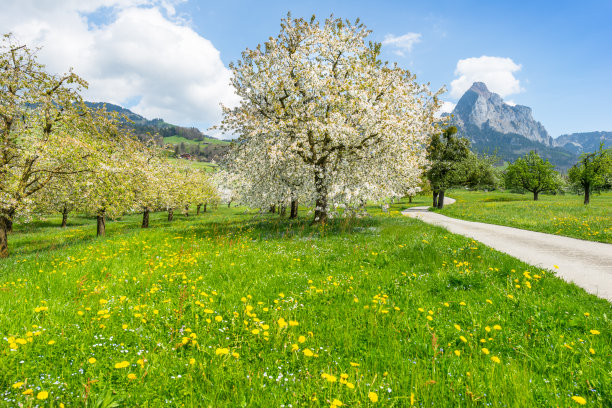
<point x="170" y="214"/>
<point x="294" y="209"/>
<point x="198" y="209"/>
<point x="320" y="215"/>
<point x="441" y="199"/>
<point x="410" y="199"/>
<point x="273" y="209"/>
<point x="535" y="195"/>
<point x="435" y="199"/>
<point x="283" y="210"/>
<point x="187" y="211"/>
<point x="228" y="204"/>
<point x="101" y="218"/>
<point x="587" y="193"/>
<point x="145" y="218"/>
<point x="64" y="216"/>
<point x="9" y="220"/>
<point x="3" y="237"/>
<point x="205" y="207"/>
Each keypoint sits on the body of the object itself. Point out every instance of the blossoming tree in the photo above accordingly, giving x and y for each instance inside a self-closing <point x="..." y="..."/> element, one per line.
<point x="318" y="93"/>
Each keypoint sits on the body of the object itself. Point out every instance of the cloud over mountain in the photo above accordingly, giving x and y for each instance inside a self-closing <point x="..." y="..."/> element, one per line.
<point x="496" y="72"/>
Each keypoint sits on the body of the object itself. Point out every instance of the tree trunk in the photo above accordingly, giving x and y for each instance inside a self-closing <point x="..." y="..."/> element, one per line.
<point x="435" y="199"/>
<point x="410" y="199"/>
<point x="101" y="218"/>
<point x="9" y="220"/>
<point x="535" y="195"/>
<point x="294" y="208"/>
<point x="273" y="209"/>
<point x="187" y="211"/>
<point x="320" y="215"/>
<point x="3" y="238"/>
<point x="64" y="216"/>
<point x="170" y="214"/>
<point x="198" y="209"/>
<point x="441" y="199"/>
<point x="205" y="207"/>
<point x="587" y="193"/>
<point x="145" y="218"/>
<point x="283" y="210"/>
<point x="228" y="204"/>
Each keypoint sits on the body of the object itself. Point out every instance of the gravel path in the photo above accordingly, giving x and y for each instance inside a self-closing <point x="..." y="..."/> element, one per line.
<point x="585" y="263"/>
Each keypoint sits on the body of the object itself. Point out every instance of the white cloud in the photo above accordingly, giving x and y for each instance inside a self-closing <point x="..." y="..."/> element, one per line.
<point x="511" y="103"/>
<point x="402" y="44"/>
<point x="142" y="55"/>
<point x="447" y="107"/>
<point x="496" y="72"/>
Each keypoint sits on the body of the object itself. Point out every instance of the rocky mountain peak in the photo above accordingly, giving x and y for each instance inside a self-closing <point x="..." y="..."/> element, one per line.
<point x="483" y="109"/>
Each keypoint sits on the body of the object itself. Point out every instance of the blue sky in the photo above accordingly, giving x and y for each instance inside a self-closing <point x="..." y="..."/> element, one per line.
<point x="555" y="57"/>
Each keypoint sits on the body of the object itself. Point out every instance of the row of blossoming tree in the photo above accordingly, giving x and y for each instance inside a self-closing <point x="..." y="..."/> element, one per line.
<point x="56" y="154"/>
<point x="324" y="122"/>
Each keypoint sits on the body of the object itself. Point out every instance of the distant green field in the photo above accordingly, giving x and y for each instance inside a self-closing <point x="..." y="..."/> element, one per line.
<point x="553" y="214"/>
<point x="238" y="309"/>
<point x="209" y="167"/>
<point x="207" y="141"/>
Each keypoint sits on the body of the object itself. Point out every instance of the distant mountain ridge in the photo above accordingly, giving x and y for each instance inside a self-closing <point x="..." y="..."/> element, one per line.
<point x="494" y="126"/>
<point x="579" y="143"/>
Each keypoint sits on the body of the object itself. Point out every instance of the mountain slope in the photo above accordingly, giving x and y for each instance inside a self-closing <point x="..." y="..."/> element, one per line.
<point x="579" y="143"/>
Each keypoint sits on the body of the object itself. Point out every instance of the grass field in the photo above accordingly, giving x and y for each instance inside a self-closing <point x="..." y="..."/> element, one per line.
<point x="553" y="214"/>
<point x="208" y="167"/>
<point x="207" y="140"/>
<point x="236" y="309"/>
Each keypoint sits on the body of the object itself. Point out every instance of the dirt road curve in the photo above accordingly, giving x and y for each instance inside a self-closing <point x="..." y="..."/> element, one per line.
<point x="585" y="263"/>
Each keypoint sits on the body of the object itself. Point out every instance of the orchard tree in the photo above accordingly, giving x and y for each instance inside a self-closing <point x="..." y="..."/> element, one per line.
<point x="446" y="154"/>
<point x="63" y="195"/>
<point x="532" y="173"/>
<point x="319" y="94"/>
<point x="41" y="131"/>
<point x="592" y="171"/>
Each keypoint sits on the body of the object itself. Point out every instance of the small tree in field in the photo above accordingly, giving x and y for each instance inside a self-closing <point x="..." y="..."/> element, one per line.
<point x="591" y="171"/>
<point x="532" y="173"/>
<point x="446" y="154"/>
<point x="321" y="98"/>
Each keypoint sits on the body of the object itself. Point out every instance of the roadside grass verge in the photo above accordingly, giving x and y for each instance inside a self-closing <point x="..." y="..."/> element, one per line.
<point x="554" y="214"/>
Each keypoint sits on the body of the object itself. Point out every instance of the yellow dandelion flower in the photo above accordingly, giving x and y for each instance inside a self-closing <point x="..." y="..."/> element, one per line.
<point x="373" y="397"/>
<point x="301" y="339"/>
<point x="18" y="385"/>
<point x="29" y="391"/>
<point x="457" y="353"/>
<point x="51" y="342"/>
<point x="463" y="339"/>
<point x="255" y="331"/>
<point x="595" y="332"/>
<point x="218" y="318"/>
<point x="92" y="360"/>
<point x="192" y="361"/>
<point x="131" y="376"/>
<point x="429" y="318"/>
<point x="350" y="385"/>
<point x="293" y="323"/>
<point x="235" y="355"/>
<point x="495" y="359"/>
<point x="336" y="403"/>
<point x="457" y="327"/>
<point x="579" y="400"/>
<point x="122" y="364"/>
<point x="294" y="347"/>
<point x="354" y="364"/>
<point x="497" y="327"/>
<point x="308" y="353"/>
<point x="221" y="351"/>
<point x="281" y="322"/>
<point x="592" y="351"/>
<point x="485" y="350"/>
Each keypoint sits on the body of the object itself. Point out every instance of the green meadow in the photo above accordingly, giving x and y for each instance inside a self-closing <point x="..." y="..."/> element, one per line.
<point x="554" y="214"/>
<point x="237" y="309"/>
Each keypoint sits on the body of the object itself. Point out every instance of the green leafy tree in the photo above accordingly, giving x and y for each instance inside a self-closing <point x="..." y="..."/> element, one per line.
<point x="532" y="173"/>
<point x="446" y="153"/>
<point x="592" y="171"/>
